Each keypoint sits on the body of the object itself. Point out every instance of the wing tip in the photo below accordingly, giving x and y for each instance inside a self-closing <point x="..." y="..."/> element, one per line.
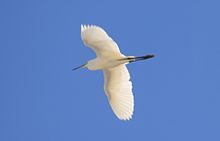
<point x="126" y="118"/>
<point x="87" y="26"/>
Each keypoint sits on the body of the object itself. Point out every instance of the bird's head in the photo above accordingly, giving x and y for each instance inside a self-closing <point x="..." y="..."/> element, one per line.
<point x="91" y="65"/>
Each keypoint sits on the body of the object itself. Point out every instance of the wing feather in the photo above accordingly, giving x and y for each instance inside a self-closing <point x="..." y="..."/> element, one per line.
<point x="97" y="39"/>
<point x="118" y="89"/>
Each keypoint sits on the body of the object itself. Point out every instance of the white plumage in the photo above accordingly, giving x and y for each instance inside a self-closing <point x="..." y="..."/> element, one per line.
<point x="118" y="87"/>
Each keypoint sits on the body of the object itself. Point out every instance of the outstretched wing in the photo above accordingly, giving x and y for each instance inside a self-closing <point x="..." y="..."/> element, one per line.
<point x="118" y="89"/>
<point x="97" y="39"/>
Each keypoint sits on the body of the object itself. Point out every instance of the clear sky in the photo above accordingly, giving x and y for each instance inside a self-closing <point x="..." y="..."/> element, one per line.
<point x="177" y="93"/>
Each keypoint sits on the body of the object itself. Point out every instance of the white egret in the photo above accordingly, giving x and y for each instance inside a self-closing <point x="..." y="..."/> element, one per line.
<point x="117" y="87"/>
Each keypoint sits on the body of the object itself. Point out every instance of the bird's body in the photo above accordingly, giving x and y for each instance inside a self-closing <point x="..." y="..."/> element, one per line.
<point x="117" y="87"/>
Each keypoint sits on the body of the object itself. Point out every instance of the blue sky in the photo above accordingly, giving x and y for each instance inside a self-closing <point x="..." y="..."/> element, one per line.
<point x="177" y="93"/>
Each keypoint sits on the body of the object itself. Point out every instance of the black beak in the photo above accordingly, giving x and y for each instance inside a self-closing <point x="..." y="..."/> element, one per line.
<point x="82" y="66"/>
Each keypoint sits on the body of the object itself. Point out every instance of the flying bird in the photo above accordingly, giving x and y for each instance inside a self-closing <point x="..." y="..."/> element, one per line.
<point x="117" y="84"/>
